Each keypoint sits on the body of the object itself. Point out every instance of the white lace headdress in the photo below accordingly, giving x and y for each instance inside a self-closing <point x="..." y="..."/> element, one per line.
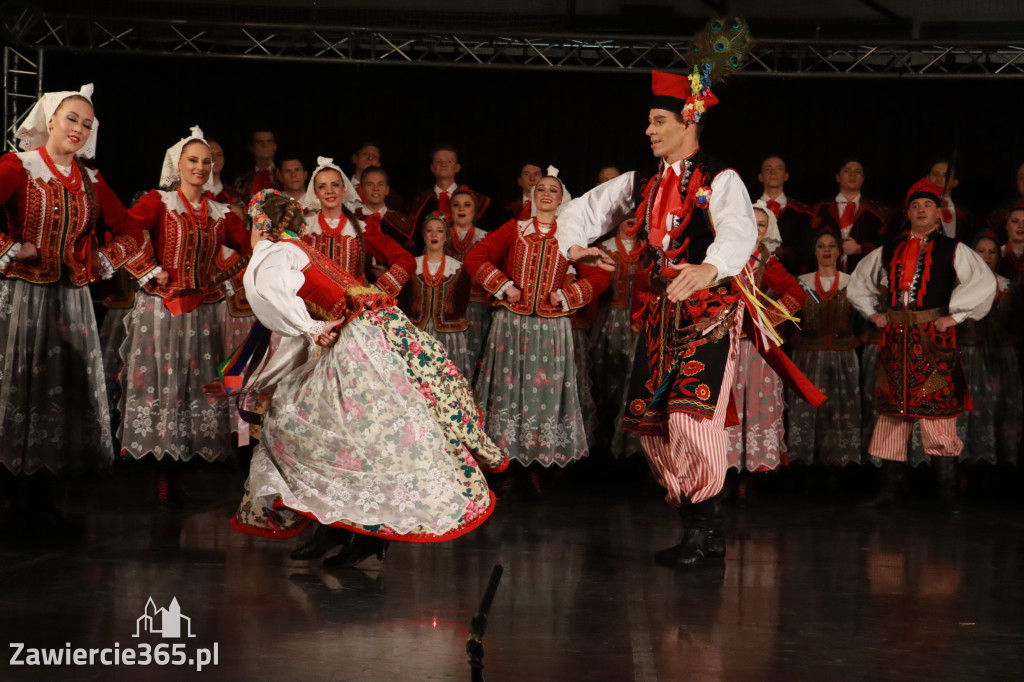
<point x="772" y="237"/>
<point x="350" y="199"/>
<point x="566" y="197"/>
<point x="34" y="131"/>
<point x="169" y="174"/>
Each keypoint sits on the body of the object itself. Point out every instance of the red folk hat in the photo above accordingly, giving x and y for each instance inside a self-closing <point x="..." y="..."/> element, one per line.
<point x="670" y="90"/>
<point x="689" y="96"/>
<point x="924" y="189"/>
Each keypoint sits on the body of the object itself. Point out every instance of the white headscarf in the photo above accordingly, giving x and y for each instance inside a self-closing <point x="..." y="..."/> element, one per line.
<point x="169" y="173"/>
<point x="772" y="238"/>
<point x="34" y="130"/>
<point x="350" y="199"/>
<point x="566" y="197"/>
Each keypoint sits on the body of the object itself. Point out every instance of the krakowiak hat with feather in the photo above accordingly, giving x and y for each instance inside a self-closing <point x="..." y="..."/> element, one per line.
<point x="718" y="50"/>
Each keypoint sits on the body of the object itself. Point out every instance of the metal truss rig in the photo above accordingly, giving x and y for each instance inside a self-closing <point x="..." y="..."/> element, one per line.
<point x="23" y="85"/>
<point x="602" y="53"/>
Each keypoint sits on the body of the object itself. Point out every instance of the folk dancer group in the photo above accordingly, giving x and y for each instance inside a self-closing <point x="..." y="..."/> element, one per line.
<point x="370" y="428"/>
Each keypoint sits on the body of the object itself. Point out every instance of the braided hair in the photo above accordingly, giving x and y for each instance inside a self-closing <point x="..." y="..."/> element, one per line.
<point x="285" y="214"/>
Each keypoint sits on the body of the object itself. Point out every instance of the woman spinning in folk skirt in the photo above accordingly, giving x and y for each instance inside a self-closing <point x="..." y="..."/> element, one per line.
<point x="371" y="428"/>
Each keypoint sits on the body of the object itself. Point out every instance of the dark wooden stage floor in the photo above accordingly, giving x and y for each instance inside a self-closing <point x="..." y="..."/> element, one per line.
<point x="812" y="589"/>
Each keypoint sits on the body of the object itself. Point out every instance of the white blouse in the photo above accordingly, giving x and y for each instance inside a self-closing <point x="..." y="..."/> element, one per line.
<point x="586" y="218"/>
<point x="272" y="282"/>
<point x="972" y="297"/>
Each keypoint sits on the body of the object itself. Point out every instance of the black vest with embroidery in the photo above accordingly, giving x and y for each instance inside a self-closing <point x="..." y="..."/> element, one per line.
<point x="935" y="272"/>
<point x="699" y="231"/>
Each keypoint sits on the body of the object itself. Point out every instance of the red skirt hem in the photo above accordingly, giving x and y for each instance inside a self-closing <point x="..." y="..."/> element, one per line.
<point x="267" y="533"/>
<point x="397" y="537"/>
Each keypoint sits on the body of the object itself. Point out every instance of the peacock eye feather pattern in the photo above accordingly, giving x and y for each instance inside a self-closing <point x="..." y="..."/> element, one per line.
<point x="722" y="45"/>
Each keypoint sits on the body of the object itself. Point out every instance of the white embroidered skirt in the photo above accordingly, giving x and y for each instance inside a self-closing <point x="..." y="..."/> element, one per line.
<point x="167" y="360"/>
<point x="53" y="402"/>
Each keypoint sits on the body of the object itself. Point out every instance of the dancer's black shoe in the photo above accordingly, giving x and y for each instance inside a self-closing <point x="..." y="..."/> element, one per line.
<point x="669" y="554"/>
<point x="894" y="477"/>
<point x="324" y="539"/>
<point x="361" y="547"/>
<point x="946" y="482"/>
<point x="703" y="540"/>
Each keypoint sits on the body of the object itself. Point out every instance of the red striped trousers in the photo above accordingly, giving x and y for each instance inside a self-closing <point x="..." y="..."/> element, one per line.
<point x="889" y="441"/>
<point x="692" y="464"/>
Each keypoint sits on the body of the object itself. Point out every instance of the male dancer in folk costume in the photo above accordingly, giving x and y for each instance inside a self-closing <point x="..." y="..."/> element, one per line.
<point x="696" y="230"/>
<point x="935" y="283"/>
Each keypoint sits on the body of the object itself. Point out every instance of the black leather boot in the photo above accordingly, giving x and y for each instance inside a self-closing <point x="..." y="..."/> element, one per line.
<point x="361" y="547"/>
<point x="669" y="554"/>
<point x="716" y="538"/>
<point x="893" y="480"/>
<point x="946" y="483"/>
<point x="704" y="543"/>
<point x="324" y="539"/>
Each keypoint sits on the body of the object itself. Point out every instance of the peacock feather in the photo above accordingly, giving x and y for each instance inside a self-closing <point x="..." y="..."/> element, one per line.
<point x="720" y="48"/>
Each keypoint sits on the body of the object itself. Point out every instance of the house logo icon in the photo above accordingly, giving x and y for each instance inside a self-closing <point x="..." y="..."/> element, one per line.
<point x="165" y="622"/>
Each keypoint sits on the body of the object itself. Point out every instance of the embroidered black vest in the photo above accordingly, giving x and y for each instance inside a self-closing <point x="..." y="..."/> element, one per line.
<point x="934" y="278"/>
<point x="700" y="231"/>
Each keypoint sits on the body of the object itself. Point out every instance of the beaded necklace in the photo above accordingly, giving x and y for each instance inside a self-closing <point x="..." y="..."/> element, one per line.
<point x="461" y="244"/>
<point x="432" y="280"/>
<point x="199" y="216"/>
<point x="544" y="234"/>
<point x="331" y="231"/>
<point x="72" y="181"/>
<point x="832" y="290"/>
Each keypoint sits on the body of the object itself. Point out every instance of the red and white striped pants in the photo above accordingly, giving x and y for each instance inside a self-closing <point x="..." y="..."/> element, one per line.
<point x="693" y="462"/>
<point x="889" y="441"/>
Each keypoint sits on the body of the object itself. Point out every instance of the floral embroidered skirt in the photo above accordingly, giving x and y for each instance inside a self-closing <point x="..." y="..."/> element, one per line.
<point x="112" y="334"/>
<point x="478" y="314"/>
<point x="613" y="347"/>
<point x="54" y="413"/>
<point x="830" y="434"/>
<point x="167" y="359"/>
<point x="378" y="434"/>
<point x="455" y="345"/>
<point x="526" y="385"/>
<point x="758" y="443"/>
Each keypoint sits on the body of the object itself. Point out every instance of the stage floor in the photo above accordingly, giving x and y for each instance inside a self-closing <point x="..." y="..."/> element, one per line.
<point x="811" y="589"/>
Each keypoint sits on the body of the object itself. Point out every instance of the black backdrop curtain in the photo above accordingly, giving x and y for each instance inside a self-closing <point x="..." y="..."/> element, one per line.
<point x="498" y="118"/>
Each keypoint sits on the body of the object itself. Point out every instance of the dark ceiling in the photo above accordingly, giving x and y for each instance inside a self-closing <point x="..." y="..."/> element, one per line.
<point x="805" y="19"/>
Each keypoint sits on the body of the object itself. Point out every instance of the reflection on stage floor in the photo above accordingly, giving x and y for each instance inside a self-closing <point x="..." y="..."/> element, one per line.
<point x="810" y="590"/>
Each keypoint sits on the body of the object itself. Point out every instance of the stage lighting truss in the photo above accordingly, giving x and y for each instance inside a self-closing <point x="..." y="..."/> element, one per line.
<point x="23" y="85"/>
<point x="30" y="34"/>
